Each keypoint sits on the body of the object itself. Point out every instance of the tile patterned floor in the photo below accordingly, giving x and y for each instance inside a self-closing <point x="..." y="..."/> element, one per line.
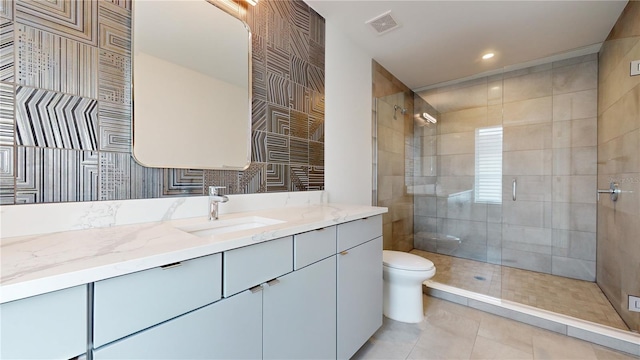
<point x="452" y="331"/>
<point x="577" y="298"/>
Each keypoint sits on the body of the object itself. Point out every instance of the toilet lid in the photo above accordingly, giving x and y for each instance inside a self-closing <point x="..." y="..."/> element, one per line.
<point x="405" y="261"/>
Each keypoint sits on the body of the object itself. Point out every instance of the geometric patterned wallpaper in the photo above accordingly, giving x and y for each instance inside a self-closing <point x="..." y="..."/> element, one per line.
<point x="65" y="105"/>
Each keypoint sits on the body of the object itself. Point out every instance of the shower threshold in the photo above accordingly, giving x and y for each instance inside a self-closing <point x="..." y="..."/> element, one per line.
<point x="533" y="298"/>
<point x="610" y="337"/>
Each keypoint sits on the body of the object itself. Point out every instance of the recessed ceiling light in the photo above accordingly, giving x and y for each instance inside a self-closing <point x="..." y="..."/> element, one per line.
<point x="487" y="56"/>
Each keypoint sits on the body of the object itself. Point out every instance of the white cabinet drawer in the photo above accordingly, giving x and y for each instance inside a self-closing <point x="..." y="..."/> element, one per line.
<point x="48" y="326"/>
<point x="252" y="265"/>
<point x="357" y="232"/>
<point x="313" y="246"/>
<point x="130" y="303"/>
<point x="228" y="329"/>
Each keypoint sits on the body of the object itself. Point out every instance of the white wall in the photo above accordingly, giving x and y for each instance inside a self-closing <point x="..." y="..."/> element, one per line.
<point x="347" y="157"/>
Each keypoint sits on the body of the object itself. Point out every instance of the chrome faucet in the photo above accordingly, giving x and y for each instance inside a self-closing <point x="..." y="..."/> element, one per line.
<point x="214" y="200"/>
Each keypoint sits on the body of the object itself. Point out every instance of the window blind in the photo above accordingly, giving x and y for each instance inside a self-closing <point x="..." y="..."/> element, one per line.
<point x="488" y="175"/>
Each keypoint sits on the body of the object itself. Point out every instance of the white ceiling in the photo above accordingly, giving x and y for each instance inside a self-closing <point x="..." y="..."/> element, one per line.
<point x="441" y="41"/>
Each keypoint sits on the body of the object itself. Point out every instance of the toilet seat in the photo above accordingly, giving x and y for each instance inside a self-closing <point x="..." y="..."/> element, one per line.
<point x="405" y="261"/>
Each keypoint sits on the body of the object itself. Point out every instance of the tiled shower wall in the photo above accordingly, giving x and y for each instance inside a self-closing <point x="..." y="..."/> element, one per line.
<point x="394" y="138"/>
<point x="65" y="105"/>
<point x="548" y="114"/>
<point x="619" y="161"/>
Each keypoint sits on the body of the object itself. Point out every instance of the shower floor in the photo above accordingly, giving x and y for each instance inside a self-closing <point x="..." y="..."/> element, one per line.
<point x="580" y="299"/>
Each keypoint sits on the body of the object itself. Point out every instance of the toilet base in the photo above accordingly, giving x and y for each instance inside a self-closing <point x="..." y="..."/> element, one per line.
<point x="403" y="303"/>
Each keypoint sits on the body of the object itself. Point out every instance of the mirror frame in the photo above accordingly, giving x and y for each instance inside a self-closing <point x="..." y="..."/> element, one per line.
<point x="183" y="157"/>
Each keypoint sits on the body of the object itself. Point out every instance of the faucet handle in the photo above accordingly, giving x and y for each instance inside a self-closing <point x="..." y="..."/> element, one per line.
<point x="213" y="190"/>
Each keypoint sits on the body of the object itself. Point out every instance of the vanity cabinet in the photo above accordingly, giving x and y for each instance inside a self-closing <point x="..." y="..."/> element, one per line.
<point x="48" y="326"/>
<point x="359" y="285"/>
<point x="300" y="307"/>
<point x="313" y="295"/>
<point x="313" y="246"/>
<point x="231" y="328"/>
<point x="249" y="266"/>
<point x="126" y="304"/>
<point x="228" y="329"/>
<point x="285" y="314"/>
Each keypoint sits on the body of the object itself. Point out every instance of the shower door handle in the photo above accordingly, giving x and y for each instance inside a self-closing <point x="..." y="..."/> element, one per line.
<point x="514" y="187"/>
<point x="613" y="191"/>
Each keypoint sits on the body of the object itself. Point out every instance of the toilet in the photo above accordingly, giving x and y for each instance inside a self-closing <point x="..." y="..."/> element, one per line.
<point x="403" y="275"/>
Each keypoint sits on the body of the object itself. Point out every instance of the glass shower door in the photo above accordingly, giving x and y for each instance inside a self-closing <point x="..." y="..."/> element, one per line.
<point x="458" y="210"/>
<point x="393" y="164"/>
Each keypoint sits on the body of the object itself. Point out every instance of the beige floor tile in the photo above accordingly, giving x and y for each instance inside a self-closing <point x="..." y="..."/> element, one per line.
<point x="508" y="332"/>
<point x="394" y="340"/>
<point x="449" y="331"/>
<point x="437" y="343"/>
<point x="449" y="322"/>
<point x="372" y="350"/>
<point x="548" y="345"/>
<point x="397" y="332"/>
<point x="489" y="349"/>
<point x="453" y="331"/>
<point x="433" y="305"/>
<point x="603" y="353"/>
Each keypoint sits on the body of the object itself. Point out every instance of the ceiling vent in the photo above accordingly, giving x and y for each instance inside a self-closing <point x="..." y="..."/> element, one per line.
<point x="383" y="23"/>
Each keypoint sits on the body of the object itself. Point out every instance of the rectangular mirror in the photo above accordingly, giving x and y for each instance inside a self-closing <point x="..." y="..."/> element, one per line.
<point x="191" y="86"/>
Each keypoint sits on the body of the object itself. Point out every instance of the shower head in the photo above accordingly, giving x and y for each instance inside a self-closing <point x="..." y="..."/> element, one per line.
<point x="402" y="110"/>
<point x="396" y="108"/>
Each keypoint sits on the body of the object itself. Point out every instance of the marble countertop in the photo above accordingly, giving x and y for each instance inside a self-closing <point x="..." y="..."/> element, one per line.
<point x="37" y="264"/>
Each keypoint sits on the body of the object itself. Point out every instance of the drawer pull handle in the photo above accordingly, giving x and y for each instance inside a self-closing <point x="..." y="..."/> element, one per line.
<point x="344" y="252"/>
<point x="256" y="289"/>
<point x="273" y="282"/>
<point x="170" y="266"/>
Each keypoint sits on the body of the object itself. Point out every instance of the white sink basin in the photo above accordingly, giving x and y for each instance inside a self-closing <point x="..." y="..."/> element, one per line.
<point x="216" y="227"/>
